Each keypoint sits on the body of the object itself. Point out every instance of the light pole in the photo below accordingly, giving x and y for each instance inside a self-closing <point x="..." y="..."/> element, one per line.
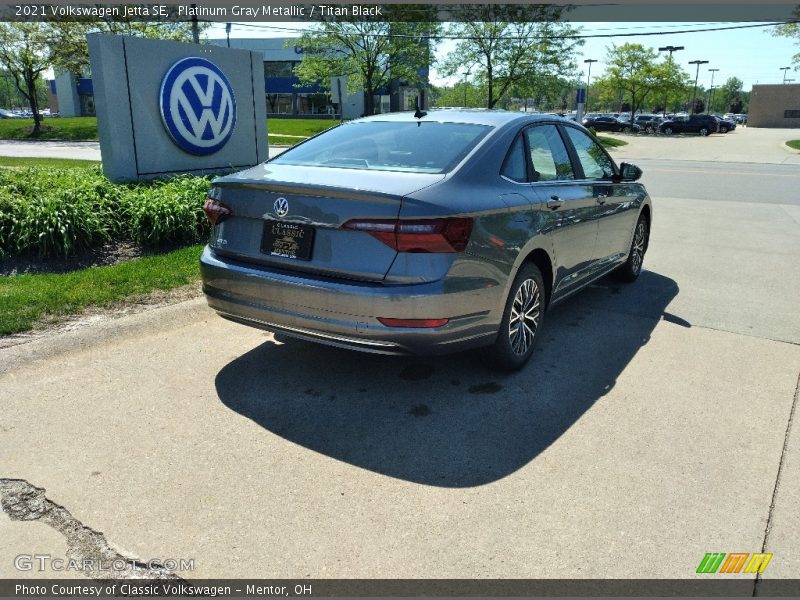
<point x="228" y="33"/>
<point x="696" y="77"/>
<point x="711" y="91"/>
<point x="588" y="81"/>
<point x="669" y="49"/>
<point x="784" y="69"/>
<point x="466" y="75"/>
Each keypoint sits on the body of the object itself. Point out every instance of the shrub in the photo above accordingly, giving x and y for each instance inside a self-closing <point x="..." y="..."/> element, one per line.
<point x="56" y="212"/>
<point x="166" y="212"/>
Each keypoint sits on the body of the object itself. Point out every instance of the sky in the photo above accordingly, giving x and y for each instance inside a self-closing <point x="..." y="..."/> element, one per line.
<point x="752" y="55"/>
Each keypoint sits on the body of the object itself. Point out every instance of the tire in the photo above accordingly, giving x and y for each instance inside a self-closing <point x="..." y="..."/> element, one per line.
<point x="630" y="270"/>
<point x="668" y="130"/>
<point x="517" y="337"/>
<point x="648" y="129"/>
<point x="723" y="130"/>
<point x="626" y="129"/>
<point x="703" y="132"/>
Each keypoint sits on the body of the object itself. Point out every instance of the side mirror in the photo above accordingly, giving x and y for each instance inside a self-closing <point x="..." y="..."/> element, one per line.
<point x="629" y="172"/>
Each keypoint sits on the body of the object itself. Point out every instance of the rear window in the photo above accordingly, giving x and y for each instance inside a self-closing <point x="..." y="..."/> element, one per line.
<point x="415" y="147"/>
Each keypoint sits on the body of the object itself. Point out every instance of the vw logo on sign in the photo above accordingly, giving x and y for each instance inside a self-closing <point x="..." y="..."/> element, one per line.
<point x="198" y="105"/>
<point x="281" y="207"/>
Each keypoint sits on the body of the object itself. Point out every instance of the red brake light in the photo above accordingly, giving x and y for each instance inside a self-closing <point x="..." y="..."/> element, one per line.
<point x="412" y="322"/>
<point x="420" y="235"/>
<point x="216" y="211"/>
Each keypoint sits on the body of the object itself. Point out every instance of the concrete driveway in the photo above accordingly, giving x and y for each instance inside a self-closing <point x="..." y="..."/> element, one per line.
<point x="656" y="423"/>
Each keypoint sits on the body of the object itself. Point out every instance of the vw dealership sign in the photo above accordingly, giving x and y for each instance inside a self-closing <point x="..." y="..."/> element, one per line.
<point x="167" y="107"/>
<point x="198" y="105"/>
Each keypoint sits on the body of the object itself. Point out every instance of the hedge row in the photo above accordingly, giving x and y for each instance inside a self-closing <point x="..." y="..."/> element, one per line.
<point x="57" y="212"/>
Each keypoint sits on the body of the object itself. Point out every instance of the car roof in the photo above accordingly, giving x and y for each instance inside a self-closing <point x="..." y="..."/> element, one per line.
<point x="475" y="116"/>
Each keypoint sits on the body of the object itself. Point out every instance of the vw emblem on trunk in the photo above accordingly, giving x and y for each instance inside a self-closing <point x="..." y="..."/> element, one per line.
<point x="281" y="207"/>
<point x="198" y="106"/>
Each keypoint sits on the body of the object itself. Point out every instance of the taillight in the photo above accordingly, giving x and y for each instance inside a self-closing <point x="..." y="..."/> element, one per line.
<point x="412" y="322"/>
<point x="422" y="235"/>
<point x="216" y="211"/>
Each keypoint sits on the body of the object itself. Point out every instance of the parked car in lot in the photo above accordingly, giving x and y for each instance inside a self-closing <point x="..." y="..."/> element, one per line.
<point x="648" y="123"/>
<point x="700" y="124"/>
<point x="604" y="123"/>
<point x="7" y="114"/>
<point x="395" y="234"/>
<point x="725" y="125"/>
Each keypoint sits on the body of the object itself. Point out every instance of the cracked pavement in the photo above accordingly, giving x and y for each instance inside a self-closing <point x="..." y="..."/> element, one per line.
<point x="657" y="422"/>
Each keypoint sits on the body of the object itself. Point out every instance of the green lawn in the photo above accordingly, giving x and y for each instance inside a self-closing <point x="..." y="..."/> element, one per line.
<point x="610" y="142"/>
<point x="795" y="144"/>
<point x="27" y="299"/>
<point x="68" y="128"/>
<point x="56" y="163"/>
<point x="85" y="128"/>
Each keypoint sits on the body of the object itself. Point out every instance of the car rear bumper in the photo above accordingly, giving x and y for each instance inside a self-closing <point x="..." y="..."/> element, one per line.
<point x="345" y="314"/>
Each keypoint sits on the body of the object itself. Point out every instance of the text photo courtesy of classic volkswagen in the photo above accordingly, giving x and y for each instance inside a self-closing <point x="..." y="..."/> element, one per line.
<point x="424" y="234"/>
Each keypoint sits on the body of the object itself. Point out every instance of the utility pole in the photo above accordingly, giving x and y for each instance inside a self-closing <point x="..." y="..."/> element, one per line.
<point x="696" y="77"/>
<point x="588" y="81"/>
<point x="711" y="91"/>
<point x="784" y="69"/>
<point x="669" y="49"/>
<point x="466" y="76"/>
<point x="228" y="33"/>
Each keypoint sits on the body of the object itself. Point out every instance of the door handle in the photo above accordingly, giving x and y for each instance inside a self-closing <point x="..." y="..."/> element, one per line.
<point x="554" y="202"/>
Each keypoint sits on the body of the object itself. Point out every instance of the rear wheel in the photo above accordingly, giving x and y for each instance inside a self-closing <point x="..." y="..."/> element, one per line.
<point x="633" y="266"/>
<point x="668" y="130"/>
<point x="626" y="129"/>
<point x="522" y="321"/>
<point x="648" y="129"/>
<point x="723" y="129"/>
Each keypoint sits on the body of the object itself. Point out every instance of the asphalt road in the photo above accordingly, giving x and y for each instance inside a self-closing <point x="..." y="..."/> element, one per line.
<point x="653" y="426"/>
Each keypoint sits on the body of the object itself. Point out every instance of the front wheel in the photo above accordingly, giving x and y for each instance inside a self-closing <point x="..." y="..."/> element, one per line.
<point x="703" y="132"/>
<point x="668" y="130"/>
<point x="723" y="130"/>
<point x="522" y="321"/>
<point x="633" y="266"/>
<point x="626" y="129"/>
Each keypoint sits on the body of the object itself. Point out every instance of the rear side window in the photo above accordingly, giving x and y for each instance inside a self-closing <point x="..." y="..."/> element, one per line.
<point x="594" y="160"/>
<point x="514" y="167"/>
<point x="548" y="154"/>
<point x="416" y="147"/>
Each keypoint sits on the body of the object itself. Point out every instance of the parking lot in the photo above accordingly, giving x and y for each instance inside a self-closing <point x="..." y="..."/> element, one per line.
<point x="654" y="425"/>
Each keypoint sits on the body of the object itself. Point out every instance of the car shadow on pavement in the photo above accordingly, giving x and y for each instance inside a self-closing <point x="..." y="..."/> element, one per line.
<point x="449" y="421"/>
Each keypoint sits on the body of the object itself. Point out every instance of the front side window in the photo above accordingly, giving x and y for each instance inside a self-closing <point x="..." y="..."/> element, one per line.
<point x="548" y="154"/>
<point x="594" y="160"/>
<point x="416" y="147"/>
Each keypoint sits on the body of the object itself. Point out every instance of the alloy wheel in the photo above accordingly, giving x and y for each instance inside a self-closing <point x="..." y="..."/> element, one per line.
<point x="637" y="251"/>
<point x="524" y="318"/>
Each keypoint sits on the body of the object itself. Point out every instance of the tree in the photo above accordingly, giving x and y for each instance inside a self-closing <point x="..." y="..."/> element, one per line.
<point x="25" y="54"/>
<point x="632" y="69"/>
<point x="463" y="93"/>
<point x="371" y="54"/>
<point x="791" y="30"/>
<point x="71" y="52"/>
<point x="726" y="94"/>
<point x="512" y="47"/>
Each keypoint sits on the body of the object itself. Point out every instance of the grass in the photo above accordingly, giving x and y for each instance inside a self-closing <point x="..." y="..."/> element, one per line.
<point x="67" y="128"/>
<point x="29" y="299"/>
<point x="55" y="163"/>
<point x="794" y="144"/>
<point x="85" y="128"/>
<point x="610" y="142"/>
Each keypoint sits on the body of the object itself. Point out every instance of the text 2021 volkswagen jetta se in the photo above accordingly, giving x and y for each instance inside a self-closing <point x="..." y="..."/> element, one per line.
<point x="400" y="234"/>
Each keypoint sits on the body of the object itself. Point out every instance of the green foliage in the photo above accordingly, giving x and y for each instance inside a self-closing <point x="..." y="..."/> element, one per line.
<point x="512" y="49"/>
<point x="634" y="75"/>
<point x="367" y="52"/>
<point x="794" y="144"/>
<point x="165" y="212"/>
<point x="791" y="30"/>
<point x="57" y="212"/>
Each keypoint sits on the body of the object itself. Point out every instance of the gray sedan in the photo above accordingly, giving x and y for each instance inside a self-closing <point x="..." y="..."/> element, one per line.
<point x="424" y="234"/>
